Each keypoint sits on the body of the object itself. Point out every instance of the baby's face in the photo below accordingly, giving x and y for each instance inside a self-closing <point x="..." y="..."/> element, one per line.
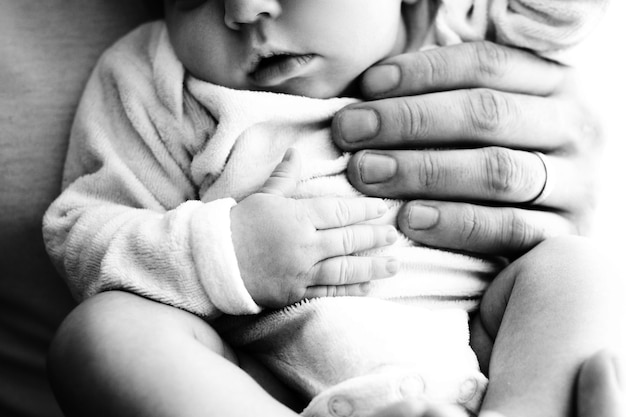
<point x="316" y="48"/>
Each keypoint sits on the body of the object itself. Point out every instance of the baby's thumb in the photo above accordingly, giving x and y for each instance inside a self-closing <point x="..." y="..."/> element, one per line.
<point x="285" y="177"/>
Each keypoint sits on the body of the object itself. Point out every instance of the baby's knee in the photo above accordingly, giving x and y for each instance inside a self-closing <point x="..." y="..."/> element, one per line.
<point x="560" y="271"/>
<point x="562" y="251"/>
<point x="106" y="317"/>
<point x="562" y="263"/>
<point x="85" y="335"/>
<point x="569" y="260"/>
<point x="90" y="321"/>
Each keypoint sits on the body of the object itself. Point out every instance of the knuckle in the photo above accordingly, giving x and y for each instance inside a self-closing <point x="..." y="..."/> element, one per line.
<point x="502" y="171"/>
<point x="341" y="291"/>
<point x="331" y="291"/>
<point x="488" y="110"/>
<point x="414" y="119"/>
<point x="345" y="271"/>
<point x="434" y="68"/>
<point x="342" y="212"/>
<point x="428" y="172"/>
<point x="348" y="241"/>
<point x="471" y="226"/>
<point x="520" y="235"/>
<point x="492" y="60"/>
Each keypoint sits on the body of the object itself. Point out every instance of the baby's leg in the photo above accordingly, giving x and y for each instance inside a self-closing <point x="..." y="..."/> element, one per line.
<point x="119" y="354"/>
<point x="547" y="312"/>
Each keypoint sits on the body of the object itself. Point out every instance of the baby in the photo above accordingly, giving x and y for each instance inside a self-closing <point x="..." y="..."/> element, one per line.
<point x="172" y="193"/>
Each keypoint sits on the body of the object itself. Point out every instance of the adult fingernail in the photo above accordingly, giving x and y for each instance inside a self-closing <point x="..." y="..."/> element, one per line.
<point x="358" y="124"/>
<point x="381" y="79"/>
<point x="422" y="217"/>
<point x="376" y="168"/>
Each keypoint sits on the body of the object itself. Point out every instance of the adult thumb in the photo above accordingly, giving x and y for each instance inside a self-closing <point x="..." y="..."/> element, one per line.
<point x="285" y="176"/>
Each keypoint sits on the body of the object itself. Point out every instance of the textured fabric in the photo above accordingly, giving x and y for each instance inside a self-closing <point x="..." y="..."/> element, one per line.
<point x="254" y="131"/>
<point x="132" y="217"/>
<point x="149" y="187"/>
<point x="548" y="28"/>
<point x="148" y="172"/>
<point x="364" y="352"/>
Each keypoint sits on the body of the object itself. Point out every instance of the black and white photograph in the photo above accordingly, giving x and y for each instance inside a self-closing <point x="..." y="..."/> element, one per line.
<point x="315" y="208"/>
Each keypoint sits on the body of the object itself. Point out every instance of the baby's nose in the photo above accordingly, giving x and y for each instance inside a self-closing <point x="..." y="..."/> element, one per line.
<point x="242" y="12"/>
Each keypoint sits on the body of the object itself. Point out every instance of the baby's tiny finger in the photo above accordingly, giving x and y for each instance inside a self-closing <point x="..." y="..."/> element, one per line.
<point x="356" y="238"/>
<point x="347" y="270"/>
<point x="352" y="290"/>
<point x="329" y="213"/>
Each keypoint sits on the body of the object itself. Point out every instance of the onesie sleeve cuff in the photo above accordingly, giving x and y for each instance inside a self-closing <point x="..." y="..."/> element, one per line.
<point x="215" y="259"/>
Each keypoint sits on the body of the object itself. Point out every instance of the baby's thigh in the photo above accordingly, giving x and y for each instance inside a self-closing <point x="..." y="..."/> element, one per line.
<point x="560" y="282"/>
<point x="118" y="351"/>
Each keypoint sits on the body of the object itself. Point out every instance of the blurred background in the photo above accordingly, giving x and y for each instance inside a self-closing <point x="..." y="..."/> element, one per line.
<point x="602" y="68"/>
<point x="602" y="65"/>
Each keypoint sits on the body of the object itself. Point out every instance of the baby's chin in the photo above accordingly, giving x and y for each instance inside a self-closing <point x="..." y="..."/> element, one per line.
<point x="320" y="89"/>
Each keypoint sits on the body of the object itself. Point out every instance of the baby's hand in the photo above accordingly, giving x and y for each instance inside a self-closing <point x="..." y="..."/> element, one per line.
<point x="290" y="249"/>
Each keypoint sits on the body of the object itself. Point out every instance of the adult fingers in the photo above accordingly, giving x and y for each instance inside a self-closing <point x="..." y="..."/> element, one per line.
<point x="452" y="118"/>
<point x="351" y="239"/>
<point x="467" y="65"/>
<point x="491" y="174"/>
<point x="601" y="387"/>
<point x="285" y="176"/>
<point x="328" y="213"/>
<point x="337" y="276"/>
<point x="481" y="229"/>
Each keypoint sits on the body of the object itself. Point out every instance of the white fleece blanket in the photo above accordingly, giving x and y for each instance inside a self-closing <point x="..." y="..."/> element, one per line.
<point x="549" y="28"/>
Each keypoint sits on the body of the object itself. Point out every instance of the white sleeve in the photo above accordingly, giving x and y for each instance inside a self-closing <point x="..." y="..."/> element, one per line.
<point x="130" y="217"/>
<point x="549" y="28"/>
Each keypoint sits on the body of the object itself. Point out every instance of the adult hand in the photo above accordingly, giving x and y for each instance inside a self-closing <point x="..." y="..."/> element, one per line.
<point x="470" y="133"/>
